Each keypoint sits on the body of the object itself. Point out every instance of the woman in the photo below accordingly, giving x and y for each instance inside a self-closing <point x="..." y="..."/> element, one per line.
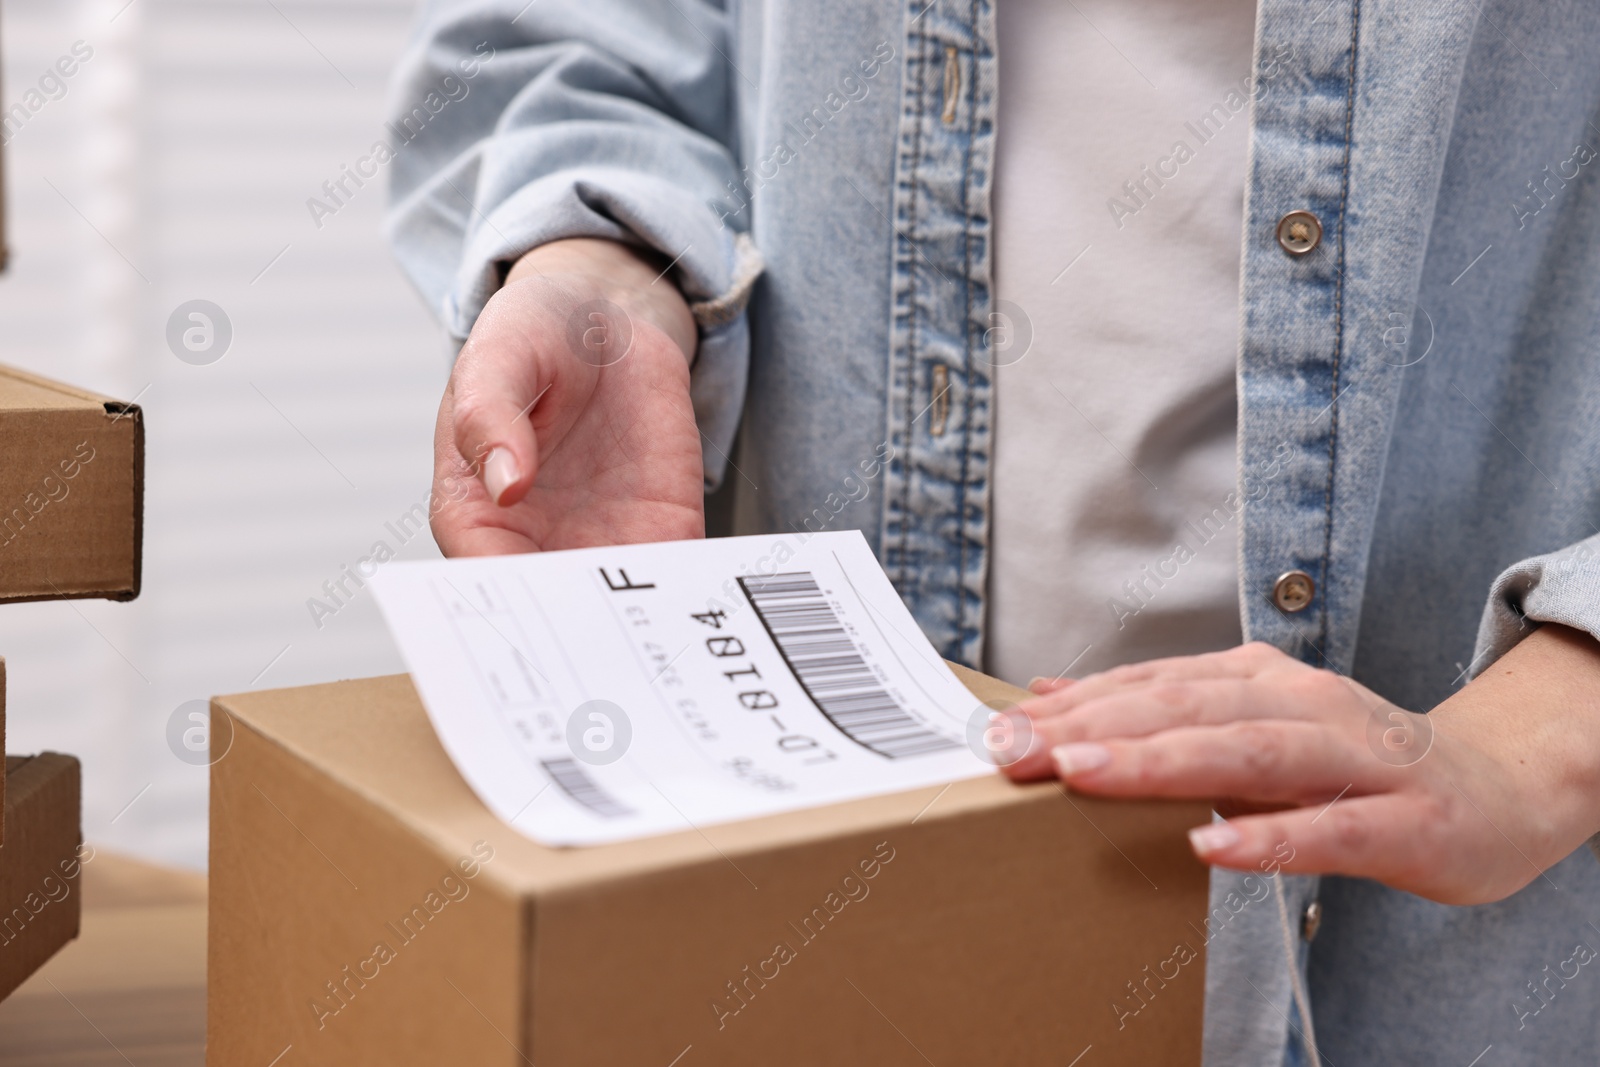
<point x="1158" y="327"/>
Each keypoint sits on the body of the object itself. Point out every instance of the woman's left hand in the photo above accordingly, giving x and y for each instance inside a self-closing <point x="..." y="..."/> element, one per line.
<point x="1466" y="805"/>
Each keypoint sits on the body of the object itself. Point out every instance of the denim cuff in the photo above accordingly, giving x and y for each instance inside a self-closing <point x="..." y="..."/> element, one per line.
<point x="714" y="266"/>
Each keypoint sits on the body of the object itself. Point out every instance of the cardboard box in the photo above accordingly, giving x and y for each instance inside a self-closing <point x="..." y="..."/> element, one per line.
<point x="366" y="908"/>
<point x="39" y="901"/>
<point x="2" y="750"/>
<point x="71" y="491"/>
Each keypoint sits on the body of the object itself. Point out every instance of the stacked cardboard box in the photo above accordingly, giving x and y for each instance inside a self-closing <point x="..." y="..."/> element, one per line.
<point x="38" y="864"/>
<point x="71" y="523"/>
<point x="366" y="908"/>
<point x="71" y="492"/>
<point x="71" y="501"/>
<point x="38" y="858"/>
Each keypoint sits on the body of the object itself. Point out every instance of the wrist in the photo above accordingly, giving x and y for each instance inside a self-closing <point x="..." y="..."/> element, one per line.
<point x="626" y="276"/>
<point x="1536" y="713"/>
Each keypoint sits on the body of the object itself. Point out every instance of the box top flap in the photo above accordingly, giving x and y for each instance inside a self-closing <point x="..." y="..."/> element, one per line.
<point x="72" y="482"/>
<point x="21" y="391"/>
<point x="373" y="736"/>
<point x="26" y="775"/>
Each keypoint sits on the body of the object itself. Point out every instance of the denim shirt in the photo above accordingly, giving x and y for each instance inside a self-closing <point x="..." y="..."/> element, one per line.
<point x="1419" y="408"/>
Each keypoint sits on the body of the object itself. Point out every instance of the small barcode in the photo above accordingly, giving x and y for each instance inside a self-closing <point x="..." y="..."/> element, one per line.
<point x="830" y="668"/>
<point x="576" y="783"/>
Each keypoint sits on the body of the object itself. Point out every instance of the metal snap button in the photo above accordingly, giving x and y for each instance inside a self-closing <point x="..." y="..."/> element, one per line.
<point x="1299" y="232"/>
<point x="1293" y="591"/>
<point x="1311" y="921"/>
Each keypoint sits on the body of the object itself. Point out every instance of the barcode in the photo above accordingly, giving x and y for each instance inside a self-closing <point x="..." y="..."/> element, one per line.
<point x="576" y="783"/>
<point x="829" y="667"/>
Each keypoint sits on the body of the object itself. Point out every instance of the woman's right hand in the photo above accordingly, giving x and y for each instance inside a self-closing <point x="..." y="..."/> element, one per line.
<point x="567" y="421"/>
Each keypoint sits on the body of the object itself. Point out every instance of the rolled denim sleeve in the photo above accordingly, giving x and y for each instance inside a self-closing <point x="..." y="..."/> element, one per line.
<point x="1561" y="587"/>
<point x="516" y="123"/>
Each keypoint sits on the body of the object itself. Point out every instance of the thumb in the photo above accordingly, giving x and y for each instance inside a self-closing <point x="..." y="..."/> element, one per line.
<point x="499" y="378"/>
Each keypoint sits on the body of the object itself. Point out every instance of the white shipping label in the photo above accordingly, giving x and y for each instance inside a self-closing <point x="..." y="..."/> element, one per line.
<point x="602" y="694"/>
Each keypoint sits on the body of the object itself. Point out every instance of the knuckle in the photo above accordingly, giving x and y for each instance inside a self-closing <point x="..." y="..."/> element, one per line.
<point x="1126" y="673"/>
<point x="1179" y="701"/>
<point x="1318" y="686"/>
<point x="1439" y="823"/>
<point x="1436" y="809"/>
<point x="469" y="412"/>
<point x="1438" y="819"/>
<point x="1256" y="653"/>
<point x="1261" y="747"/>
<point x="1149" y="766"/>
<point x="1351" y="832"/>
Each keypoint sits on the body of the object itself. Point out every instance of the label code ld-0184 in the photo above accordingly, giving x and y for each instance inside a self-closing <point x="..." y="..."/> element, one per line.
<point x="831" y="669"/>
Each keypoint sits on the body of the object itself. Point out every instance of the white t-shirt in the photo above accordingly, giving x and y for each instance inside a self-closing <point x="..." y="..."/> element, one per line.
<point x="1118" y="202"/>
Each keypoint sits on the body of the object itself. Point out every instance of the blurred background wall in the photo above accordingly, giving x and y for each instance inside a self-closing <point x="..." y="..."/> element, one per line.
<point x="175" y="165"/>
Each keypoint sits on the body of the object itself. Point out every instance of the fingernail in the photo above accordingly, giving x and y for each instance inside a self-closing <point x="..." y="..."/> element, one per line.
<point x="499" y="471"/>
<point x="1079" y="757"/>
<point x="1213" y="838"/>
